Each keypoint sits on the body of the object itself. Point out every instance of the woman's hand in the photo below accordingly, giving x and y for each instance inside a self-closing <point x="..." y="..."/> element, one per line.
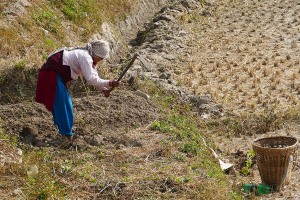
<point x="106" y="92"/>
<point x="114" y="83"/>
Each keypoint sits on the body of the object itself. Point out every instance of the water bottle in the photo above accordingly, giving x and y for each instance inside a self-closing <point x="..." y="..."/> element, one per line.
<point x="263" y="189"/>
<point x="257" y="189"/>
<point x="249" y="188"/>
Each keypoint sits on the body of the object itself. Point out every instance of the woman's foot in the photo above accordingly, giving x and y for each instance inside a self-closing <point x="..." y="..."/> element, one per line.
<point x="68" y="141"/>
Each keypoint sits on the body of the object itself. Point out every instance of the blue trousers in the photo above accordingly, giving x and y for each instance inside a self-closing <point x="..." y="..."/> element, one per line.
<point x="63" y="115"/>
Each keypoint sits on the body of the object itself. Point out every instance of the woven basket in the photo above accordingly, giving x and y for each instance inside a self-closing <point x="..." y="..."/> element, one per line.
<point x="274" y="156"/>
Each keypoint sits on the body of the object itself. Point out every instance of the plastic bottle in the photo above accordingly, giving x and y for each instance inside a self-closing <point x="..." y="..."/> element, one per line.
<point x="263" y="189"/>
<point x="257" y="189"/>
<point x="249" y="188"/>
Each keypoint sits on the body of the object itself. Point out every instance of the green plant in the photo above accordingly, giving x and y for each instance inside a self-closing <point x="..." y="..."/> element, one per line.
<point x="126" y="179"/>
<point x="13" y="140"/>
<point x="77" y="10"/>
<point x="190" y="147"/>
<point x="3" y="136"/>
<point x="190" y="17"/>
<point x="249" y="161"/>
<point x="46" y="18"/>
<point x="203" y="2"/>
<point x="186" y="179"/>
<point x="160" y="126"/>
<point x="179" y="157"/>
<point x="44" y="184"/>
<point x="42" y="196"/>
<point x="20" y="65"/>
<point x="236" y="195"/>
<point x="50" y="43"/>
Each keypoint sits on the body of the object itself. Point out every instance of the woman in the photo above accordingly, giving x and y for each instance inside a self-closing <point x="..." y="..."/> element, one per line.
<point x="63" y="66"/>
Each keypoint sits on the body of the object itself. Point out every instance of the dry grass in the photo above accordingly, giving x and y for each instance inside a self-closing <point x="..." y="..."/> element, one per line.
<point x="246" y="73"/>
<point x="51" y="24"/>
<point x="28" y="39"/>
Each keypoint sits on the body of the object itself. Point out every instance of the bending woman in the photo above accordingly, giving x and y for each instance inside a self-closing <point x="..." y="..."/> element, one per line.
<point x="63" y="66"/>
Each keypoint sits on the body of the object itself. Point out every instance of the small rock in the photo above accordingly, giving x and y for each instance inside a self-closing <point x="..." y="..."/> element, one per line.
<point x="206" y="13"/>
<point x="18" y="8"/>
<point x="97" y="140"/>
<point x="189" y="4"/>
<point x="32" y="171"/>
<point x="165" y="76"/>
<point x="17" y="192"/>
<point x="146" y="64"/>
<point x="142" y="94"/>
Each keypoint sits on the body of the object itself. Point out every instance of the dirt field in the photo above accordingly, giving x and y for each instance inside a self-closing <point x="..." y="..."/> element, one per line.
<point x="246" y="55"/>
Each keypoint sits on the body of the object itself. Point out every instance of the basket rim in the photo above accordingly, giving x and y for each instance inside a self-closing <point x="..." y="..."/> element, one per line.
<point x="255" y="142"/>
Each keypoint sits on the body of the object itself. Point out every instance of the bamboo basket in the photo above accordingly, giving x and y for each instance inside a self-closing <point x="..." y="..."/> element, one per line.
<point x="274" y="156"/>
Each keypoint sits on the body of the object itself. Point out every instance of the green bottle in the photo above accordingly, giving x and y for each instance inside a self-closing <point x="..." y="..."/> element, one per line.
<point x="257" y="189"/>
<point x="263" y="189"/>
<point x="249" y="188"/>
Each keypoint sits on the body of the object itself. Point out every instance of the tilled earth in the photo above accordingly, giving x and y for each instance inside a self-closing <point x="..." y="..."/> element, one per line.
<point x="97" y="119"/>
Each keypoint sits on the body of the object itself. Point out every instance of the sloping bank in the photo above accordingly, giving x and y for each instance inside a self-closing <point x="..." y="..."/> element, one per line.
<point x="154" y="30"/>
<point x="164" y="44"/>
<point x="33" y="30"/>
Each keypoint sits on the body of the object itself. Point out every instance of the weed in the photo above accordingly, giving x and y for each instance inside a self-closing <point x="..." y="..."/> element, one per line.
<point x="3" y="136"/>
<point x="20" y="65"/>
<point x="179" y="157"/>
<point x="12" y="139"/>
<point x="49" y="43"/>
<point x="191" y="17"/>
<point x="43" y="184"/>
<point x="235" y="196"/>
<point x="249" y="162"/>
<point x="160" y="126"/>
<point x="47" y="19"/>
<point x="127" y="179"/>
<point x="42" y="196"/>
<point x="190" y="148"/>
<point x="65" y="169"/>
<point x="186" y="179"/>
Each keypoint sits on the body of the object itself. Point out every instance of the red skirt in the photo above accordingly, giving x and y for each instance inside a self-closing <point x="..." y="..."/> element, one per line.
<point x="46" y="88"/>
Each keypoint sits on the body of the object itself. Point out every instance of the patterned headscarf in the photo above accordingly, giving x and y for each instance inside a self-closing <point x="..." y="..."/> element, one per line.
<point x="98" y="48"/>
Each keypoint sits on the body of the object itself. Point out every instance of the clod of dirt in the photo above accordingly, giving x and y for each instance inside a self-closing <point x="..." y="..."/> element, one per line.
<point x="29" y="134"/>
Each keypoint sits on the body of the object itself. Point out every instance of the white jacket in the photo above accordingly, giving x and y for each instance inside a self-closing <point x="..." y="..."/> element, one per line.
<point x="81" y="63"/>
